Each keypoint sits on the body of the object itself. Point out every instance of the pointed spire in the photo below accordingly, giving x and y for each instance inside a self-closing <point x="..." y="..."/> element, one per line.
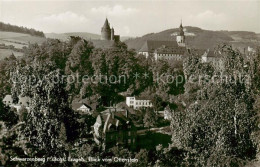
<point x="106" y="24"/>
<point x="181" y="24"/>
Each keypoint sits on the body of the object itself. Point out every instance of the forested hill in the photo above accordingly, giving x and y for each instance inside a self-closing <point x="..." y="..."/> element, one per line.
<point x="20" y="29"/>
<point x="200" y="38"/>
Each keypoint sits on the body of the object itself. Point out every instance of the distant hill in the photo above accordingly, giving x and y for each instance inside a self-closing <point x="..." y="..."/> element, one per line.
<point x="85" y="35"/>
<point x="199" y="38"/>
<point x="20" y="29"/>
<point x="18" y="40"/>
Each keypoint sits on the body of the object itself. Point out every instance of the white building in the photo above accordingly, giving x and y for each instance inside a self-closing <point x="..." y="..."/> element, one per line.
<point x="138" y="102"/>
<point x="169" y="53"/>
<point x="23" y="101"/>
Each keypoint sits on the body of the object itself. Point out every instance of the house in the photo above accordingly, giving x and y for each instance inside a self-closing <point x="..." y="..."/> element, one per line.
<point x="166" y="113"/>
<point x="212" y="57"/>
<point x="150" y="46"/>
<point x="8" y="100"/>
<point x="22" y="101"/>
<point x="82" y="108"/>
<point x="138" y="102"/>
<point x="169" y="53"/>
<point x="114" y="128"/>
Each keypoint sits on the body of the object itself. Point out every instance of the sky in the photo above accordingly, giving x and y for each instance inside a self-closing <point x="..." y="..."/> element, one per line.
<point x="131" y="17"/>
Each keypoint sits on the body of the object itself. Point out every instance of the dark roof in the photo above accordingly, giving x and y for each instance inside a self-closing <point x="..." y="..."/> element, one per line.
<point x="176" y="50"/>
<point x="150" y="46"/>
<point x="106" y="25"/>
<point x="142" y="98"/>
<point x="109" y="120"/>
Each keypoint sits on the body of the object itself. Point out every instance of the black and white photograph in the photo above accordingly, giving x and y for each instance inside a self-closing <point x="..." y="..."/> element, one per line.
<point x="129" y="83"/>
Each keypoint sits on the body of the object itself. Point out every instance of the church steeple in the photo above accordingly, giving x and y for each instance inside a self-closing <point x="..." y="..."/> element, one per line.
<point x="180" y="37"/>
<point x="181" y="29"/>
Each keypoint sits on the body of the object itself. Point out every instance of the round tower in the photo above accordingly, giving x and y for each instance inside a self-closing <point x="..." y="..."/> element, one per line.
<point x="106" y="31"/>
<point x="112" y="33"/>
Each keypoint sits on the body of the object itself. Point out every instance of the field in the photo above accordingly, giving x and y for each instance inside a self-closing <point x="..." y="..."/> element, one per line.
<point x="17" y="40"/>
<point x="7" y="52"/>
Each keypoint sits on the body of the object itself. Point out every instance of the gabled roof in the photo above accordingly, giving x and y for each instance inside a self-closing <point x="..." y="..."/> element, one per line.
<point x="77" y="105"/>
<point x="150" y="46"/>
<point x="112" y="119"/>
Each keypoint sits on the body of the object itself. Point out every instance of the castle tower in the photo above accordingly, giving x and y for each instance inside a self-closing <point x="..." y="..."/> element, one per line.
<point x="112" y="34"/>
<point x="106" y="31"/>
<point x="181" y="37"/>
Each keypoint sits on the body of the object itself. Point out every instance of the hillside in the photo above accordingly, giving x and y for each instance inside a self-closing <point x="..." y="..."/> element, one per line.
<point x="199" y="38"/>
<point x="13" y="42"/>
<point x="65" y="36"/>
<point x="85" y="35"/>
<point x="20" y="29"/>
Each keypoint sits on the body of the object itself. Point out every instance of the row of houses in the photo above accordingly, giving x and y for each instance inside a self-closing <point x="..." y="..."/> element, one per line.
<point x="113" y="126"/>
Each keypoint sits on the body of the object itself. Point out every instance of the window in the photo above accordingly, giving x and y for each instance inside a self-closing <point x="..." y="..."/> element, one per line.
<point x="129" y="141"/>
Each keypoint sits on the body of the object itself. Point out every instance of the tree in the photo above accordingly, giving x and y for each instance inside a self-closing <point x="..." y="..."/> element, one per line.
<point x="217" y="124"/>
<point x="8" y="115"/>
<point x="149" y="118"/>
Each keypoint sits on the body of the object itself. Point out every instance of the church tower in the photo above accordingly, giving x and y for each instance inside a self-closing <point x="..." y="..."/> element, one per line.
<point x="106" y="31"/>
<point x="181" y="37"/>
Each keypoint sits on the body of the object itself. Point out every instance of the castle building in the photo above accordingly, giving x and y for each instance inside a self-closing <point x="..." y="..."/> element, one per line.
<point x="108" y="33"/>
<point x="165" y="50"/>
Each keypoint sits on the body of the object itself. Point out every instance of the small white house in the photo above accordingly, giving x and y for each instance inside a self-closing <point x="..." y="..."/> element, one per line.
<point x="23" y="101"/>
<point x="82" y="107"/>
<point x="138" y="102"/>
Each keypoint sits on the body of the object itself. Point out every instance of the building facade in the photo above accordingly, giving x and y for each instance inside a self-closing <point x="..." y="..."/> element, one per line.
<point x="138" y="103"/>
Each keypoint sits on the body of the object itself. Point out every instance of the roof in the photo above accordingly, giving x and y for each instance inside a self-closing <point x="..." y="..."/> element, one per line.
<point x="176" y="50"/>
<point x="112" y="119"/>
<point x="106" y="24"/>
<point x="150" y="46"/>
<point x="116" y="121"/>
<point x="77" y="105"/>
<point x="209" y="53"/>
<point x="142" y="98"/>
